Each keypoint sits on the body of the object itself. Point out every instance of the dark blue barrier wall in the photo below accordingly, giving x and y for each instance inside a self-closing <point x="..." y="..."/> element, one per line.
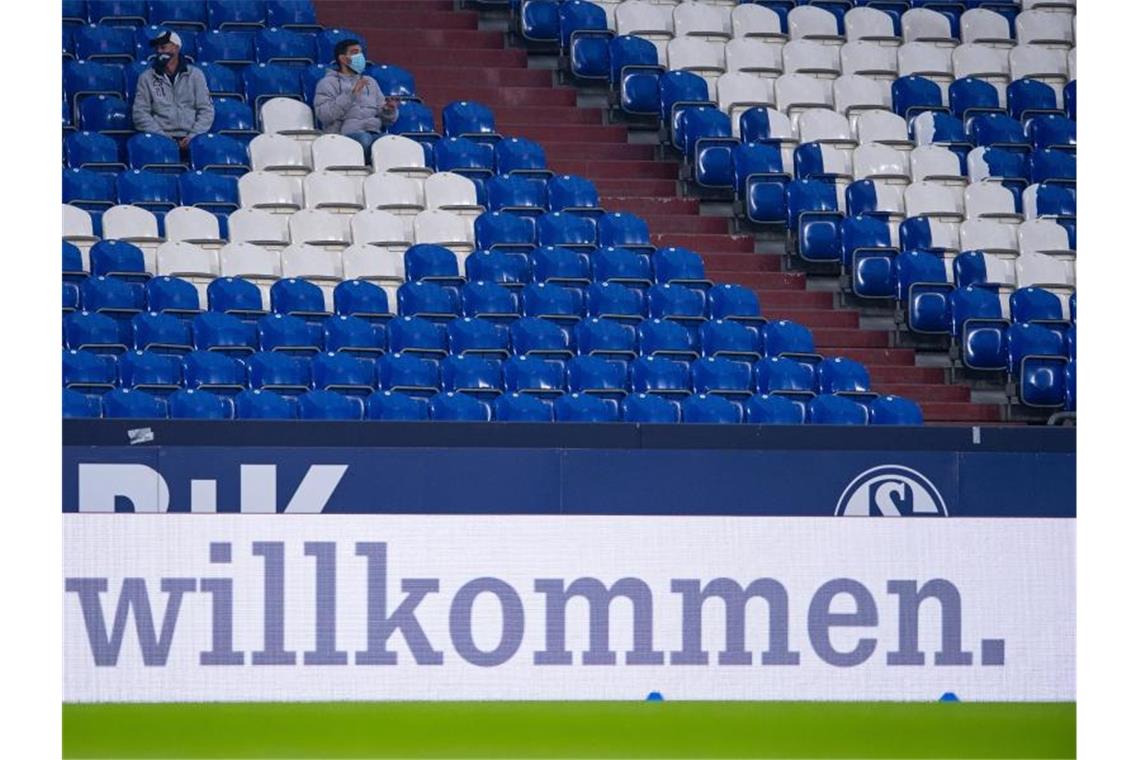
<point x="502" y="468"/>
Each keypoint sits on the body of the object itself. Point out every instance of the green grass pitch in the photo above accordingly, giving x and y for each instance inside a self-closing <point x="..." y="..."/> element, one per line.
<point x="571" y="729"/>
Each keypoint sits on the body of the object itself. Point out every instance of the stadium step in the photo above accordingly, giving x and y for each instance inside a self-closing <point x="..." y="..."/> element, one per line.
<point x="381" y="38"/>
<point x="550" y="135"/>
<point x="439" y="95"/>
<point x="650" y="206"/>
<point x="486" y="77"/>
<point x="506" y="119"/>
<point x="883" y="375"/>
<point x="760" y="280"/>
<point x="691" y="224"/>
<point x="949" y="411"/>
<point x="411" y="56"/>
<point x="817" y="318"/>
<point x="737" y="262"/>
<point x="600" y="169"/>
<point x="606" y="151"/>
<point x="700" y="243"/>
<point x="344" y="12"/>
<point x="773" y="300"/>
<point x="838" y="339"/>
<point x="427" y="19"/>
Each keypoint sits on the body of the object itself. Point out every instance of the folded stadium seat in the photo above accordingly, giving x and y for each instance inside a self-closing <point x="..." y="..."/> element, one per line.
<point x="769" y="127"/>
<point x="929" y="234"/>
<point x="677" y="302"/>
<point x="452" y="192"/>
<point x="263" y="405"/>
<point x="705" y="409"/>
<point x="812" y="59"/>
<point x="471" y="120"/>
<point x="382" y="233"/>
<point x="836" y="410"/>
<point x="763" y="409"/>
<point x="929" y="61"/>
<point x="216" y="331"/>
<point x="289" y="117"/>
<point x="701" y="56"/>
<point x="824" y="126"/>
<point x="730" y="340"/>
<point x="83" y="80"/>
<point x="474" y="160"/>
<point x="704" y="136"/>
<point x="1054" y="201"/>
<point x="258" y="227"/>
<point x="573" y="195"/>
<point x="235" y="14"/>
<point x="734" y="302"/>
<point x="414" y="335"/>
<point x="343" y="373"/>
<point x="373" y="265"/>
<point x="154" y="152"/>
<point x="881" y="200"/>
<point x="750" y="55"/>
<point x="923" y="25"/>
<point x="646" y="20"/>
<point x="998" y="130"/>
<point x="395" y="406"/>
<point x="158" y="374"/>
<point x="998" y="164"/>
<point x="815" y="214"/>
<point x="78" y="228"/>
<point x="261" y="266"/>
<point x="895" y="410"/>
<point x="280" y="155"/>
<point x="984" y="63"/>
<point x="979" y="267"/>
<point x="650" y="408"/>
<point x="108" y="115"/>
<point x="930" y="199"/>
<point x="1052" y="132"/>
<point x="92" y="151"/>
<point x="1028" y="98"/>
<point x="123" y="403"/>
<point x="130" y="228"/>
<point x="215" y="193"/>
<point x="161" y="333"/>
<point x="311" y="274"/>
<point x="872" y="25"/>
<point x="427" y="300"/>
<point x="114" y="298"/>
<point x="521" y="195"/>
<point x="446" y="229"/>
<point x="869" y="250"/>
<point x="361" y="298"/>
<point x="679" y="266"/>
<point x="339" y="155"/>
<point x="394" y="81"/>
<point x="232" y="49"/>
<point x="329" y="405"/>
<point x="190" y="224"/>
<point x="522" y="407"/>
<point x="332" y="192"/>
<point x="320" y="228"/>
<point x="1037" y="62"/>
<point x="411" y="374"/>
<point x="236" y="296"/>
<point x="567" y="229"/>
<point x="941" y="129"/>
<point x="992" y="201"/>
<point x="881" y="163"/>
<point x="826" y="163"/>
<point x="990" y="236"/>
<point x="556" y="303"/>
<point x="1071" y="386"/>
<point x="659" y="375"/>
<point x="767" y="22"/>
<point x="1036" y="305"/>
<point x="289" y="334"/>
<point x="221" y="81"/>
<point x="197" y="265"/>
<point x="575" y="407"/>
<point x="538" y="20"/>
<point x="397" y="194"/>
<point x="722" y="376"/>
<point x="1035" y="236"/>
<point x="118" y="258"/>
<point x="534" y="375"/>
<point x="96" y="332"/>
<point x="584" y="33"/>
<point x="598" y="376"/>
<point x="606" y="338"/>
<point x="534" y="336"/>
<point x="679" y="90"/>
<point x="432" y="263"/>
<point x="518" y="155"/>
<point x="416" y="122"/>
<point x="510" y="269"/>
<point x="937" y="166"/>
<point x="88" y="372"/>
<point x="174" y="296"/>
<point x="458" y="407"/>
<point x="1053" y="166"/>
<point x="846" y="378"/>
<point x="561" y="266"/>
<point x="816" y="24"/>
<point x="355" y="336"/>
<point x="658" y="337"/>
<point x="912" y="94"/>
<point x="622" y="266"/>
<point x="478" y="336"/>
<point x="760" y="182"/>
<point x="856" y="96"/>
<point x="74" y="13"/>
<point x="868" y="60"/>
<point x="983" y="26"/>
<point x="73" y="266"/>
<point x="703" y="21"/>
<point x="199" y="405"/>
<point x="970" y="97"/>
<point x="269" y="191"/>
<point x="784" y="338"/>
<point x="1037" y="362"/>
<point x="612" y="300"/>
<point x="153" y="191"/>
<point x="504" y="230"/>
<point x="285" y="47"/>
<point x="980" y="330"/>
<point x="1045" y="28"/>
<point x="70" y="297"/>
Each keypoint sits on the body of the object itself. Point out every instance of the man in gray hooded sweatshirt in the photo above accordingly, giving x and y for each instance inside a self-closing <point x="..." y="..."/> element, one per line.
<point x="172" y="98"/>
<point x="351" y="104"/>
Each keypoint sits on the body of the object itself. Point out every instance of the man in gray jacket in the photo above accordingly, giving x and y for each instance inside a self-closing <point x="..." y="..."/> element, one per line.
<point x="351" y="104"/>
<point x="172" y="98"/>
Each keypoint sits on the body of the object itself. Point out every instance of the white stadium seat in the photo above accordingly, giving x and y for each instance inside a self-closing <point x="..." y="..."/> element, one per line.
<point x="702" y="57"/>
<point x="261" y="266"/>
<point x="393" y="153"/>
<point x="258" y="226"/>
<point x="362" y="262"/>
<point x="78" y="230"/>
<point x="981" y="26"/>
<point x="983" y="62"/>
<point x="340" y="154"/>
<point x="756" y="21"/>
<point x="881" y="162"/>
<point x="933" y="200"/>
<point x="1043" y="236"/>
<point x="452" y="192"/>
<point x="644" y="19"/>
<point x="870" y="25"/>
<point x="396" y="193"/>
<point x="446" y="229"/>
<point x="808" y="22"/>
<point x="1037" y="62"/>
<point x="320" y="228"/>
<point x="1045" y="28"/>
<point x="702" y="20"/>
<point x="320" y="266"/>
<point x="812" y="58"/>
<point x="799" y="92"/>
<point x="883" y="127"/>
<point x="1043" y="270"/>
<point x="1002" y="272"/>
<point x="989" y="236"/>
<point x="134" y="225"/>
<point x="198" y="265"/>
<point x="737" y="92"/>
<point x="269" y="191"/>
<point x="856" y="96"/>
<point x="753" y="56"/>
<point x="991" y="201"/>
<point x="826" y="126"/>
<point x="926" y="60"/>
<point x="288" y="117"/>
<point x="870" y="60"/>
<point x="190" y="224"/>
<point x="332" y="192"/>
<point x="929" y="26"/>
<point x="380" y="229"/>
<point x="934" y="163"/>
<point x="278" y="153"/>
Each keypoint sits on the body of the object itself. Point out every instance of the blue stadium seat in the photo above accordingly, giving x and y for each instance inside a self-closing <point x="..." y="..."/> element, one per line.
<point x="475" y="336"/>
<point x="235" y="14"/>
<point x="219" y="154"/>
<point x="613" y="300"/>
<point x="634" y="75"/>
<point x="679" y="90"/>
<point x="114" y="298"/>
<point x="74" y="12"/>
<point x="221" y="81"/>
<point x="567" y="229"/>
<point x="756" y="126"/>
<point x="395" y="406"/>
<point x="760" y="180"/>
<point x="574" y="195"/>
<point x="522" y="407"/>
<point x="85" y="80"/>
<point x="677" y="302"/>
<point x="92" y="151"/>
<point x="624" y="230"/>
<point x="407" y="373"/>
<point x="96" y="332"/>
<point x="117" y="12"/>
<point x="427" y="300"/>
<point x="76" y="405"/>
<point x="414" y="121"/>
<point x="1070" y="94"/>
<point x="214" y="371"/>
<point x="731" y="340"/>
<point x="327" y="39"/>
<point x="343" y="373"/>
<point x="329" y="405"/>
<point x="279" y="372"/>
<point x="606" y="338"/>
<point x="199" y="405"/>
<point x="170" y="295"/>
<point x="300" y="298"/>
<point x="73" y="270"/>
<point x="580" y="22"/>
<point x="597" y="376"/>
<point x="154" y="153"/>
<point x="560" y="266"/>
<point x="427" y="262"/>
<point x="895" y="410"/>
<point x="575" y="407"/>
<point x="1052" y="165"/>
<point x="234" y="119"/>
<point x="715" y="410"/>
<point x="940" y="128"/>
<point x="232" y="49"/>
<point x="263" y="405"/>
<point x="815" y="219"/>
<point x="836" y="410"/>
<point x="70" y="297"/>
<point x="265" y="81"/>
<point x="518" y="155"/>
<point x="414" y="335"/>
<point x="285" y="47"/>
<point x="471" y="374"/>
<point x="555" y="303"/>
<point x="911" y="95"/>
<point x="161" y="333"/>
<point x="622" y="266"/>
<point x="538" y="21"/>
<point x="472" y="120"/>
<point x="783" y="337"/>
<point x="362" y="299"/>
<point x="458" y="407"/>
<point x="118" y="258"/>
<point x="721" y="376"/>
<point x="498" y="229"/>
<point x="764" y="409"/>
<point x="88" y="372"/>
<point x="997" y="130"/>
<point x="659" y="337"/>
<point x="216" y="193"/>
<point x="868" y="255"/>
<point x="679" y="266"/>
<point x="395" y="82"/>
<point x="704" y="136"/>
<point x="177" y="14"/>
<point x="843" y="376"/>
<point x="1027" y="98"/>
<point x="215" y="331"/>
<point x="292" y="14"/>
<point x="122" y="403"/>
<point x="522" y="195"/>
<point x="924" y="291"/>
<point x="472" y="159"/>
<point x="971" y="97"/>
<point x="355" y="336"/>
<point x="154" y="191"/>
<point x="982" y="334"/>
<point x="535" y="375"/>
<point x="287" y="333"/>
<point x="540" y="337"/>
<point x="660" y="375"/>
<point x="866" y="198"/>
<point x="235" y="296"/>
<point x="650" y="408"/>
<point x="1037" y="363"/>
<point x="490" y="302"/>
<point x="106" y="44"/>
<point x="734" y="302"/>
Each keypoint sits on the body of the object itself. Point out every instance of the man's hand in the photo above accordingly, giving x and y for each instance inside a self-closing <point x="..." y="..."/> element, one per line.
<point x="359" y="86"/>
<point x="184" y="143"/>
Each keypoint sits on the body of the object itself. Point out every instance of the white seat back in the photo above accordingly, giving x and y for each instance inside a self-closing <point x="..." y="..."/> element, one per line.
<point x="380" y="229"/>
<point x="855" y="96"/>
<point x="983" y="62"/>
<point x="798" y="92"/>
<point x="699" y="55"/>
<point x="254" y="225"/>
<point x="385" y="268"/>
<point x="1001" y="271"/>
<point x="883" y="127"/>
<point x="928" y="26"/>
<point x="1036" y="62"/>
<point x="134" y="225"/>
<point x="935" y="163"/>
<point x="644" y="19"/>
<point x="826" y="126"/>
<point x="880" y="162"/>
<point x="337" y="153"/>
<point x="926" y="60"/>
<point x="289" y="117"/>
<point x="394" y="153"/>
<point x="444" y="228"/>
<point x="989" y="236"/>
<point x="870" y="25"/>
<point x="736" y="92"/>
<point x="332" y="192"/>
<point x="1036" y="27"/>
<point x="1043" y="236"/>
<point x="812" y="58"/>
<point x="193" y="225"/>
<point x="702" y="20"/>
<point x="452" y="192"/>
<point x="311" y="263"/>
<point x="278" y="153"/>
<point x="981" y="26"/>
<point x="808" y="22"/>
<point x="991" y="201"/>
<point x="270" y="191"/>
<point x="753" y="56"/>
<point x="250" y="261"/>
<point x="197" y="265"/>
<point x="320" y="228"/>
<point x="1045" y="270"/>
<point x="756" y="21"/>
<point x="933" y="200"/>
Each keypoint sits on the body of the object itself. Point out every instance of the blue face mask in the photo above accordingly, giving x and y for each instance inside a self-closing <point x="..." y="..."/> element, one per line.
<point x="357" y="63"/>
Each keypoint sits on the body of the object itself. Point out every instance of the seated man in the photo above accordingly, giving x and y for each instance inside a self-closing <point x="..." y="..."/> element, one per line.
<point x="351" y="104"/>
<point x="172" y="98"/>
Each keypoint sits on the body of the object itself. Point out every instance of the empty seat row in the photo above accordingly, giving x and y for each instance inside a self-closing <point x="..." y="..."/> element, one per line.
<point x="192" y="14"/>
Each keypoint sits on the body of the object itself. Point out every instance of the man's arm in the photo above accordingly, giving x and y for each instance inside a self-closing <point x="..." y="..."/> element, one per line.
<point x="141" y="112"/>
<point x="203" y="105"/>
<point x="330" y="107"/>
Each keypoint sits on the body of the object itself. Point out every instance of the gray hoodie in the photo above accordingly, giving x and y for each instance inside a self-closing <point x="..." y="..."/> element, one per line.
<point x="342" y="112"/>
<point x="177" y="111"/>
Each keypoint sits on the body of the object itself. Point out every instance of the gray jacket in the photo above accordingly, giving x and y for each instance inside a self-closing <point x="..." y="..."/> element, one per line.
<point x="179" y="111"/>
<point x="342" y="112"/>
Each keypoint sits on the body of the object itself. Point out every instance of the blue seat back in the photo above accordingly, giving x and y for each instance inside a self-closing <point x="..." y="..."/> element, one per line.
<point x="199" y="405"/>
<point x="895" y="410"/>
<point x="911" y="95"/>
<point x="360" y="297"/>
<point x="584" y="408"/>
<point x="396" y="406"/>
<point x="836" y="410"/>
<point x="263" y="405"/>
<point x="650" y="408"/>
<point x="328" y="405"/>
<point x="710" y="410"/>
<point x="123" y="403"/>
<point x="522" y="407"/>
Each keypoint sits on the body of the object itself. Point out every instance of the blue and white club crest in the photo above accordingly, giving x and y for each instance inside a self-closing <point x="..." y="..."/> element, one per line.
<point x="891" y="490"/>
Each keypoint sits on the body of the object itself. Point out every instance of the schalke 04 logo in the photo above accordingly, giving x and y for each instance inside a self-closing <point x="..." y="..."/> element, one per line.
<point x="891" y="490"/>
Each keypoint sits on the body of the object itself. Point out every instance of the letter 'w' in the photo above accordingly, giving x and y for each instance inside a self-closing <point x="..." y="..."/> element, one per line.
<point x="104" y="647"/>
